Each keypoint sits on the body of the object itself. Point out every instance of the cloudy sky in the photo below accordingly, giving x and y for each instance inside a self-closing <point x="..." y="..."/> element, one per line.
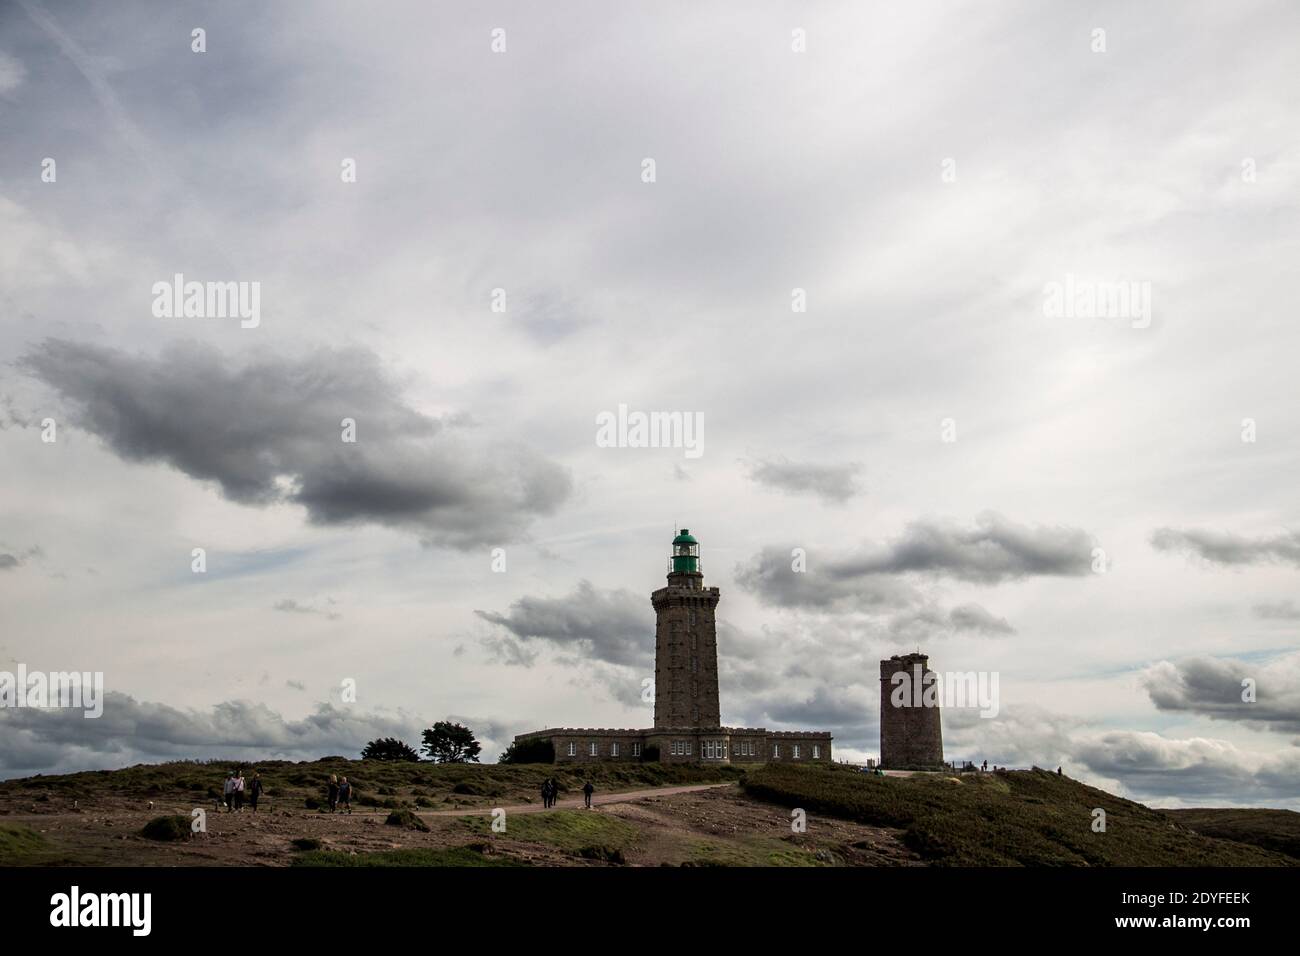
<point x="1076" y="503"/>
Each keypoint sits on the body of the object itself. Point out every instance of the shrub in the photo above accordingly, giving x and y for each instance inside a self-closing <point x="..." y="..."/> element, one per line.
<point x="532" y="750"/>
<point x="407" y="821"/>
<point x="306" y="843"/>
<point x="170" y="827"/>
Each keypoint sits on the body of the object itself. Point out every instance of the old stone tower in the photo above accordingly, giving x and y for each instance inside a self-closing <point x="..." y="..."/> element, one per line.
<point x="686" y="642"/>
<point x="910" y="734"/>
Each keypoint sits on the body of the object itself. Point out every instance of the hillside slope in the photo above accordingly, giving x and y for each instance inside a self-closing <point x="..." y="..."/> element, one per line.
<point x="1007" y="818"/>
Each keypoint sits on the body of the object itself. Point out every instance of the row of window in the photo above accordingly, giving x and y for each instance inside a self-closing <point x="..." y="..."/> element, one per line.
<point x="709" y="749"/>
<point x="593" y="749"/>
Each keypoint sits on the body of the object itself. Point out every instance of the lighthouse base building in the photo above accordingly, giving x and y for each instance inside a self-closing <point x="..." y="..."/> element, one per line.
<point x="688" y="724"/>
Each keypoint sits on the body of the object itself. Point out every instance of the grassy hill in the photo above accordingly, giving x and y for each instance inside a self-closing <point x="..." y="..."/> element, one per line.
<point x="1277" y="830"/>
<point x="376" y="783"/>
<point x="1024" y="817"/>
<point x="1029" y="818"/>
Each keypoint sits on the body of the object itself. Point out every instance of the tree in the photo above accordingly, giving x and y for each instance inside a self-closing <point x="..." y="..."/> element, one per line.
<point x="532" y="750"/>
<point x="389" y="748"/>
<point x="446" y="742"/>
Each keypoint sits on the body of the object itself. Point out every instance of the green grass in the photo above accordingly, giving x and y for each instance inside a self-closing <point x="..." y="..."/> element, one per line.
<point x="760" y="851"/>
<point x="391" y="785"/>
<point x="582" y="832"/>
<point x="1277" y="830"/>
<point x="1026" y="817"/>
<point x="454" y="856"/>
<point x="22" y="846"/>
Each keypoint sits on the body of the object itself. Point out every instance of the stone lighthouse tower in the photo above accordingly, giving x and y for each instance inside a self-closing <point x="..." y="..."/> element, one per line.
<point x="686" y="643"/>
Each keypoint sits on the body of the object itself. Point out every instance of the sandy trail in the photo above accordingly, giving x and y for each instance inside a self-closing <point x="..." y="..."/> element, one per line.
<point x="576" y="803"/>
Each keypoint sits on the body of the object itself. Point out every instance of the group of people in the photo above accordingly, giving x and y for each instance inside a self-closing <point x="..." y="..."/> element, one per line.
<point x="551" y="791"/>
<point x="236" y="788"/>
<point x="339" y="792"/>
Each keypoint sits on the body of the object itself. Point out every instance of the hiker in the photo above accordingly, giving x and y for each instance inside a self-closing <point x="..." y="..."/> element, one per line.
<point x="239" y="792"/>
<point x="546" y="794"/>
<point x="255" y="789"/>
<point x="587" y="791"/>
<point x="1058" y="771"/>
<point x="228" y="791"/>
<point x="333" y="792"/>
<point x="555" y="790"/>
<point x="345" y="794"/>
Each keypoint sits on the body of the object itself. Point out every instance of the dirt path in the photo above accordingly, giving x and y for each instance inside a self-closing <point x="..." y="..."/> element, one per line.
<point x="573" y="803"/>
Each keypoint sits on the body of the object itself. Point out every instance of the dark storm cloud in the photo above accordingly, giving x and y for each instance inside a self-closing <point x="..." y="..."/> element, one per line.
<point x="1148" y="765"/>
<point x="825" y="583"/>
<point x="934" y="621"/>
<point x="269" y="431"/>
<point x="8" y="562"/>
<point x="826" y="708"/>
<point x="1229" y="550"/>
<point x="616" y="627"/>
<point x="832" y="483"/>
<point x="132" y="731"/>
<point x="1281" y="611"/>
<point x="1212" y="687"/>
<point x="992" y="551"/>
<point x="1193" y="770"/>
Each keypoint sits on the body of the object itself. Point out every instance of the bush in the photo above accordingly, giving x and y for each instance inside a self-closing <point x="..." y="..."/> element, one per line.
<point x="171" y="827"/>
<point x="407" y="821"/>
<point x="306" y="843"/>
<point x="532" y="750"/>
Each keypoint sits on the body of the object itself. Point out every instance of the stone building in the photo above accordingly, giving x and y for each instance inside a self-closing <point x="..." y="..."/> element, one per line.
<point x="687" y="715"/>
<point x="910" y="734"/>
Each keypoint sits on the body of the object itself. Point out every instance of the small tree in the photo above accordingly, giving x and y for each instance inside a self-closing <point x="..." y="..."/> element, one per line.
<point x="532" y="750"/>
<point x="446" y="742"/>
<point x="388" y="748"/>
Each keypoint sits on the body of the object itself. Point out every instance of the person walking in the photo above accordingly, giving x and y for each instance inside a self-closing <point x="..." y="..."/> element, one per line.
<point x="239" y="792"/>
<point x="546" y="794"/>
<point x="332" y="791"/>
<point x="555" y="790"/>
<point x="228" y="791"/>
<point x="255" y="789"/>
<point x="587" y="791"/>
<point x="345" y="794"/>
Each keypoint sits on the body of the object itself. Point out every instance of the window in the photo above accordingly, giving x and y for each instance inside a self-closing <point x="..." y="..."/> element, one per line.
<point x="636" y="750"/>
<point x="613" y="749"/>
<point x="817" y="752"/>
<point x="796" y="751"/>
<point x="593" y="748"/>
<point x="573" y="749"/>
<point x="776" y="751"/>
<point x="688" y="747"/>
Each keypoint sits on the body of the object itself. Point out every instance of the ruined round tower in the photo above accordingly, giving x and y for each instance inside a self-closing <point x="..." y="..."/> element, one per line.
<point x="910" y="734"/>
